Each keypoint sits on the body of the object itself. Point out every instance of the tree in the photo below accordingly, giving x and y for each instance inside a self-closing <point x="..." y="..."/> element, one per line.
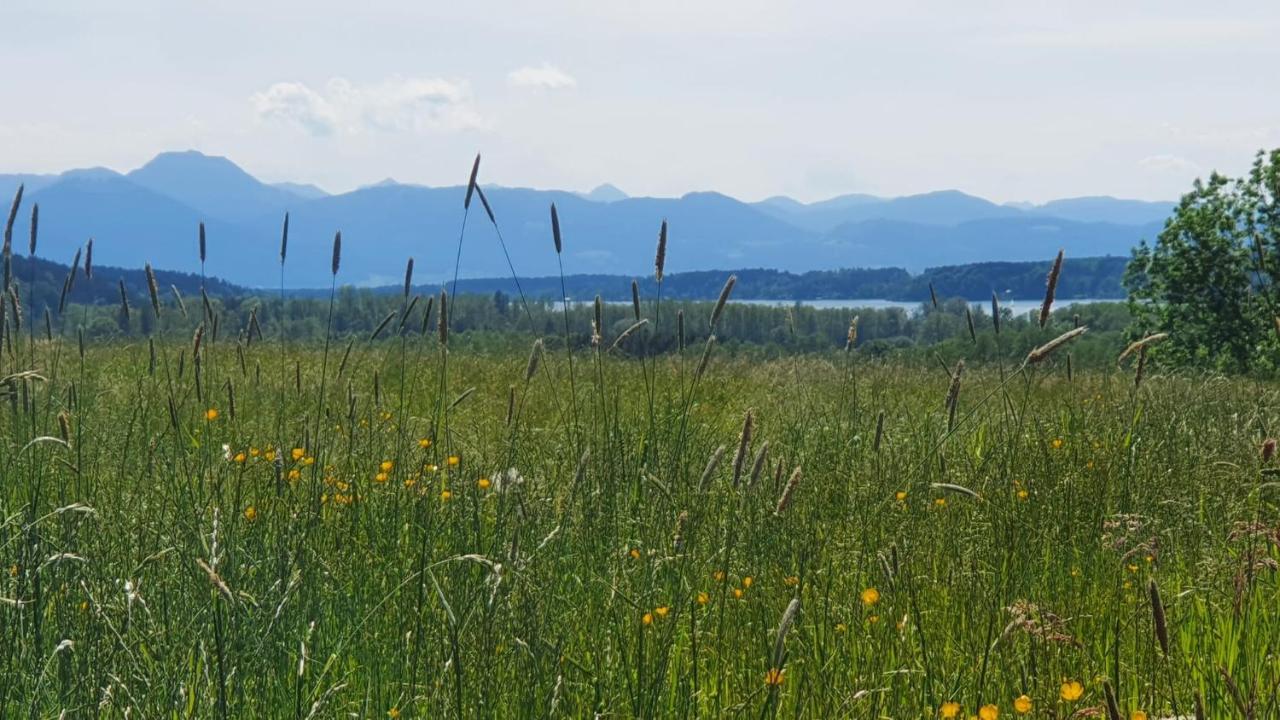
<point x="1210" y="279"/>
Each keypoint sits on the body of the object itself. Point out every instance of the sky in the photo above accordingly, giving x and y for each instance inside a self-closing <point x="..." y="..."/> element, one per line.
<point x="1013" y="101"/>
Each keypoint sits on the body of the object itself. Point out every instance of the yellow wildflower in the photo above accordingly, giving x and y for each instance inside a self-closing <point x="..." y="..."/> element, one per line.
<point x="870" y="596"/>
<point x="251" y="513"/>
<point x="211" y="414"/>
<point x="1022" y="704"/>
<point x="1071" y="690"/>
<point x="774" y="677"/>
<point x="950" y="710"/>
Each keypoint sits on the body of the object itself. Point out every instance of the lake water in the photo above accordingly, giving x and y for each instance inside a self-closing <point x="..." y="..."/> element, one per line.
<point x="1018" y="307"/>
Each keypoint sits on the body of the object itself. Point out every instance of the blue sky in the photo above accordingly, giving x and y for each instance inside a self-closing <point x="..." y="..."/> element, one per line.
<point x="1009" y="100"/>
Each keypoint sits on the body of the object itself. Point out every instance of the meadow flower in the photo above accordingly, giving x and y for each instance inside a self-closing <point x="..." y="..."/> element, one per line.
<point x="1071" y="690"/>
<point x="873" y="619"/>
<point x="386" y="466"/>
<point x="254" y="452"/>
<point x="647" y="618"/>
<point x="870" y="596"/>
<point x="297" y="453"/>
<point x="940" y="502"/>
<point x="13" y="570"/>
<point x="445" y="496"/>
<point x="1022" y="704"/>
<point x="454" y="460"/>
<point x="841" y="628"/>
<point x="746" y="581"/>
<point x="295" y="474"/>
<point x="774" y="677"/>
<point x="211" y="414"/>
<point x="1268" y="449"/>
<point x="949" y="709"/>
<point x="1137" y="715"/>
<point x="900" y="496"/>
<point x="1058" y="443"/>
<point x="251" y="513"/>
<point x="718" y="575"/>
<point x="737" y="593"/>
<point x="703" y="598"/>
<point x="226" y="452"/>
<point x="239" y="458"/>
<point x="791" y="581"/>
<point x="661" y="611"/>
<point x="424" y="443"/>
<point x="393" y="713"/>
<point x="989" y="712"/>
<point x="483" y="483"/>
<point x="380" y="477"/>
<point x="308" y="460"/>
<point x="634" y="553"/>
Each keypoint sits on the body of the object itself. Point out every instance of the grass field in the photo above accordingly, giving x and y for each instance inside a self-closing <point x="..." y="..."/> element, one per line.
<point x="396" y="531"/>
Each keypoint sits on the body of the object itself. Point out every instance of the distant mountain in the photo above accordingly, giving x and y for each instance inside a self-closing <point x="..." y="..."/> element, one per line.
<point x="305" y="191"/>
<point x="945" y="207"/>
<point x="1108" y="209"/>
<point x="215" y="186"/>
<point x="605" y="193"/>
<point x="151" y="214"/>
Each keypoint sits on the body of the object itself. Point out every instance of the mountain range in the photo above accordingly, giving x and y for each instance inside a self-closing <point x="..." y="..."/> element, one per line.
<point x="151" y="214"/>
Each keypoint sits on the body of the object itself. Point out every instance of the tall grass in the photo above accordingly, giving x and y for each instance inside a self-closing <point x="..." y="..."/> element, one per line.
<point x="464" y="548"/>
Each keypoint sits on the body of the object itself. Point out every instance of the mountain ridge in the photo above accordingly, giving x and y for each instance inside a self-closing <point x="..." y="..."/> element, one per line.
<point x="150" y="214"/>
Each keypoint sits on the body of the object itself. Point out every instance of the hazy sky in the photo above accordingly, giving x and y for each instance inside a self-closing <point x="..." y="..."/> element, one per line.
<point x="1010" y="100"/>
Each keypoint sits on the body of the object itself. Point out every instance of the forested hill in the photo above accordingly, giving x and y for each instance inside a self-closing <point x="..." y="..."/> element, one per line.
<point x="1096" y="278"/>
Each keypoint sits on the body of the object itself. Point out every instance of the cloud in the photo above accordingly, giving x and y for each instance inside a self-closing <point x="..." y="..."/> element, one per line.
<point x="1169" y="163"/>
<point x="394" y="105"/>
<point x="297" y="104"/>
<point x="547" y="77"/>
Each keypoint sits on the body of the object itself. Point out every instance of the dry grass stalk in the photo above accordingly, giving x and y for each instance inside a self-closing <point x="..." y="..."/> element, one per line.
<point x="744" y="446"/>
<point x="995" y="312"/>
<point x="337" y="252"/>
<point x="710" y="469"/>
<point x="408" y="278"/>
<point x="1139" y="344"/>
<point x="555" y="229"/>
<point x="1159" y="621"/>
<point x="788" y="493"/>
<point x="382" y="325"/>
<point x="152" y="289"/>
<point x="720" y="302"/>
<point x="953" y="395"/>
<point x="1051" y="287"/>
<point x="284" y="239"/>
<point x="933" y="296"/>
<point x="627" y="333"/>
<point x="784" y="626"/>
<point x="1042" y="352"/>
<point x="635" y="299"/>
<point x="851" y="338"/>
<point x="660" y="259"/>
<point x="35" y="224"/>
<point x="757" y="467"/>
<point x="202" y="243"/>
<point x="471" y="183"/>
<point x="88" y="260"/>
<point x="443" y="325"/>
<point x="534" y="355"/>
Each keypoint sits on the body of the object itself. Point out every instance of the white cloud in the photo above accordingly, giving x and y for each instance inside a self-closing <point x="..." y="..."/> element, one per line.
<point x="547" y="77"/>
<point x="1169" y="163"/>
<point x="393" y="105"/>
<point x="297" y="104"/>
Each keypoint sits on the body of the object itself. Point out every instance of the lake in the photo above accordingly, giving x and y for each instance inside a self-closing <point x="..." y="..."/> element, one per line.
<point x="1018" y="307"/>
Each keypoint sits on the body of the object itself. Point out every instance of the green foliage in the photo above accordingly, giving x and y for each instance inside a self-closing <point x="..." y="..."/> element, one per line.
<point x="1210" y="278"/>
